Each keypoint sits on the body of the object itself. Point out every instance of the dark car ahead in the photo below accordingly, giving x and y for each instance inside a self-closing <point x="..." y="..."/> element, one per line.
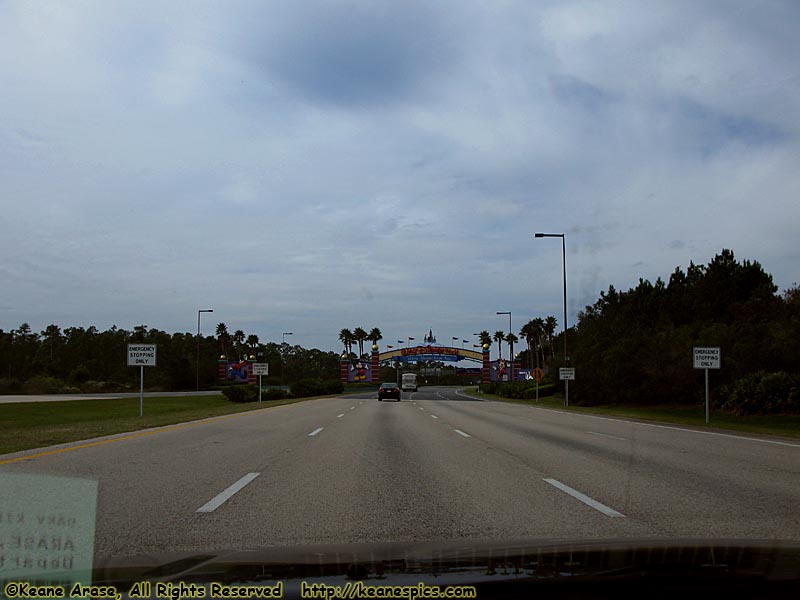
<point x="389" y="390"/>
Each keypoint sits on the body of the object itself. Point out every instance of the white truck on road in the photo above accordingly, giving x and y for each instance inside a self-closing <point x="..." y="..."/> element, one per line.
<point x="409" y="382"/>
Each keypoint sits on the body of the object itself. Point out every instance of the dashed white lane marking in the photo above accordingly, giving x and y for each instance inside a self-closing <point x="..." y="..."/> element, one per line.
<point x="220" y="498"/>
<point x="459" y="432"/>
<point x="315" y="432"/>
<point x="352" y="408"/>
<point x="608" y="436"/>
<point x="584" y="498"/>
<point x="340" y="416"/>
<point x="434" y="417"/>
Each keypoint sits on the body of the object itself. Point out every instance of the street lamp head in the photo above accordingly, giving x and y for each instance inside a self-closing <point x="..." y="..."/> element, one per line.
<point x="539" y="235"/>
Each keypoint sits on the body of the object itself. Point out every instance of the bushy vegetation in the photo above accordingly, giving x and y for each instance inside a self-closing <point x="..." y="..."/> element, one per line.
<point x="316" y="387"/>
<point x="763" y="393"/>
<point x="305" y="388"/>
<point x="636" y="347"/>
<point x="521" y="390"/>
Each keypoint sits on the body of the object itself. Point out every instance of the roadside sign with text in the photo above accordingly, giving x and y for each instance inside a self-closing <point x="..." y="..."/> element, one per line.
<point x="260" y="368"/>
<point x="706" y="358"/>
<point x="567" y="374"/>
<point x="141" y="355"/>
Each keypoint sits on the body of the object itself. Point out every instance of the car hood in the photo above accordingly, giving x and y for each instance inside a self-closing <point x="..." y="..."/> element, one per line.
<point x="490" y="565"/>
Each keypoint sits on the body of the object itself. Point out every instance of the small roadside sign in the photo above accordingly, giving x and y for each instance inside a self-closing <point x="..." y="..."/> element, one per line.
<point x="141" y="355"/>
<point x="537" y="374"/>
<point x="566" y="374"/>
<point x="260" y="368"/>
<point x="706" y="358"/>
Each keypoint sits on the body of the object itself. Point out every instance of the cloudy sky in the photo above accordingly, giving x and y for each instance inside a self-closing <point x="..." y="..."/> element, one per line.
<point x="308" y="166"/>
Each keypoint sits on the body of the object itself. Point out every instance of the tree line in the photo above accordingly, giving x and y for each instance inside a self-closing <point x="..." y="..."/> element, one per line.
<point x="635" y="346"/>
<point x="89" y="360"/>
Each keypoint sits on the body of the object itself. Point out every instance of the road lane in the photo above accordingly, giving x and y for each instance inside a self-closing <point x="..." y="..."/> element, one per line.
<point x="382" y="471"/>
<point x="681" y="482"/>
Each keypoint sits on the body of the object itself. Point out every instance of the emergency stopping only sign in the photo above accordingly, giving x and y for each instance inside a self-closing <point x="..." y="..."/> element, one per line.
<point x="141" y="355"/>
<point x="706" y="358"/>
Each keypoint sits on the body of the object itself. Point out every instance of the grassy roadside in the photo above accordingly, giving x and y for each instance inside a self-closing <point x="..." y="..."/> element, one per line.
<point x="780" y="425"/>
<point x="27" y="425"/>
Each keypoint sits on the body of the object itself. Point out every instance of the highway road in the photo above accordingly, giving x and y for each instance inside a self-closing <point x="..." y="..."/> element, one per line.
<point x="436" y="466"/>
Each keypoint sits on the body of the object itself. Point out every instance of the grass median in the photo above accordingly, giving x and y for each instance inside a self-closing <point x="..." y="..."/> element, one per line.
<point x="780" y="425"/>
<point x="27" y="425"/>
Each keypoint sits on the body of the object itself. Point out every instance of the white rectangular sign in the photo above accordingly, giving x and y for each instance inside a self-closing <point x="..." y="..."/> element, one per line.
<point x="260" y="368"/>
<point x="706" y="358"/>
<point x="566" y="373"/>
<point x="141" y="355"/>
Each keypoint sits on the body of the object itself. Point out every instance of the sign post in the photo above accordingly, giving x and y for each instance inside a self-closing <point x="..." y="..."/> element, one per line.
<point x="706" y="358"/>
<point x="538" y="374"/>
<point x="141" y="355"/>
<point x="260" y="369"/>
<point x="566" y="375"/>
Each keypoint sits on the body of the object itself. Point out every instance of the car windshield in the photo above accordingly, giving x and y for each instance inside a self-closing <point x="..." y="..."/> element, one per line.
<point x="559" y="237"/>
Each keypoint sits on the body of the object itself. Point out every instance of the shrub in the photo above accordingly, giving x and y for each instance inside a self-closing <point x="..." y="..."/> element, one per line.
<point x="10" y="386"/>
<point x="41" y="384"/>
<point x="241" y="393"/>
<point x="762" y="393"/>
<point x="80" y="374"/>
<point x="316" y="387"/>
<point x="272" y="394"/>
<point x="521" y="390"/>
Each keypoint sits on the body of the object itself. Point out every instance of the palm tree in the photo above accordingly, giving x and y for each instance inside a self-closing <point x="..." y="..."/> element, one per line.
<point x="527" y="333"/>
<point x="550" y="324"/>
<point x="511" y="339"/>
<point x="360" y="335"/>
<point x="375" y="335"/>
<point x="537" y="328"/>
<point x="499" y="337"/>
<point x="485" y="337"/>
<point x="238" y="340"/>
<point x="222" y="336"/>
<point x="346" y="337"/>
<point x="252" y="341"/>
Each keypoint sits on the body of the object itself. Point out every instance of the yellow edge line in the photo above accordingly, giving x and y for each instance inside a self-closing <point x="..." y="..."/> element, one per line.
<point x="138" y="435"/>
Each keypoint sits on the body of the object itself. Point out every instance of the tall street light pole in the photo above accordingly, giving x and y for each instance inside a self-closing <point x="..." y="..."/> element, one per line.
<point x="564" y="266"/>
<point x="510" y="358"/>
<point x="208" y="310"/>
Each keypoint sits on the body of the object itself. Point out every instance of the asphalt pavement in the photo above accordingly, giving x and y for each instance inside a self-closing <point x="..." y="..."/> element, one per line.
<point x="438" y="465"/>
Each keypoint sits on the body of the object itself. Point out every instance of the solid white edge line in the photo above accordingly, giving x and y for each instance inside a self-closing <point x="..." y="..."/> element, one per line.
<point x="584" y="498"/>
<point x="727" y="435"/>
<point x="459" y="432"/>
<point x="220" y="498"/>
<point x="316" y="431"/>
<point x="608" y="436"/>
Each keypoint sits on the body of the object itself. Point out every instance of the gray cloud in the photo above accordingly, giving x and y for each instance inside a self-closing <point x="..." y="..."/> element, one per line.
<point x="311" y="166"/>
